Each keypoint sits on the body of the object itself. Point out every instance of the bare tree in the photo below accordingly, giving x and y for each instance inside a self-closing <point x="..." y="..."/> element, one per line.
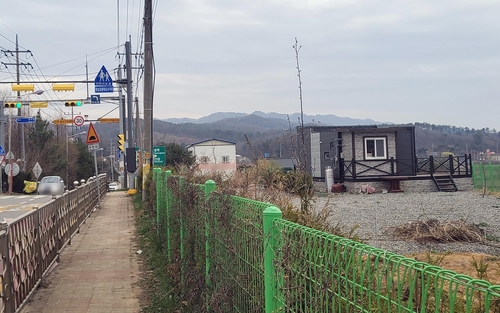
<point x="303" y="155"/>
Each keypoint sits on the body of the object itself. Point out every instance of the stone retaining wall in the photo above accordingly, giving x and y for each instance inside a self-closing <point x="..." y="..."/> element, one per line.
<point x="425" y="185"/>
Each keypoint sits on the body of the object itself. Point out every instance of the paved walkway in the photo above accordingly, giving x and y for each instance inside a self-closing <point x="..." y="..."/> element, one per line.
<point x="99" y="272"/>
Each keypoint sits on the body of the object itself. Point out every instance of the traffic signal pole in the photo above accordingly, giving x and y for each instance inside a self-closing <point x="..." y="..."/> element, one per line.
<point x="19" y="111"/>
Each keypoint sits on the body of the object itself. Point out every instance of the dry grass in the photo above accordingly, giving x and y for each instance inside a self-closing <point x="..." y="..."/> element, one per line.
<point x="433" y="230"/>
<point x="265" y="182"/>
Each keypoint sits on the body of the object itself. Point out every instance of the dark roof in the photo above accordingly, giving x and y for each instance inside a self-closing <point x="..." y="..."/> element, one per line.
<point x="206" y="140"/>
<point x="354" y="128"/>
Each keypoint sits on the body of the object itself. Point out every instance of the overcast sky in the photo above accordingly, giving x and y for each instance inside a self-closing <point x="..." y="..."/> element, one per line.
<point x="397" y="61"/>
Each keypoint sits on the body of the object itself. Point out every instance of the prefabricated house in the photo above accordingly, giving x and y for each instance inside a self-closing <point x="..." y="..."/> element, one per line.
<point x="215" y="155"/>
<point x="381" y="156"/>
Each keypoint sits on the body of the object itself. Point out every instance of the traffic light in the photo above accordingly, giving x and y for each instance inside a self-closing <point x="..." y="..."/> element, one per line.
<point x="121" y="141"/>
<point x="73" y="103"/>
<point x="13" y="105"/>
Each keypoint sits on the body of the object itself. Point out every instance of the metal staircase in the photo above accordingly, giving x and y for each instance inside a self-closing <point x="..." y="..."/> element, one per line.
<point x="445" y="183"/>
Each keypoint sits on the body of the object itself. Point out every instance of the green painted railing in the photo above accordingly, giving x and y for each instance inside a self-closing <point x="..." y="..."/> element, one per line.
<point x="231" y="254"/>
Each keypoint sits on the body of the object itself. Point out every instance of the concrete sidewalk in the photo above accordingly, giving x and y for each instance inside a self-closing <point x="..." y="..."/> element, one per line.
<point x="99" y="272"/>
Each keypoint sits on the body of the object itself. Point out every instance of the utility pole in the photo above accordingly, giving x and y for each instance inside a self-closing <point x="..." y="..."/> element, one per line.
<point x="123" y="127"/>
<point x="148" y="83"/>
<point x="2" y="139"/>
<point x="148" y="79"/>
<point x="138" y="132"/>
<point x="19" y="112"/>
<point x="128" y="137"/>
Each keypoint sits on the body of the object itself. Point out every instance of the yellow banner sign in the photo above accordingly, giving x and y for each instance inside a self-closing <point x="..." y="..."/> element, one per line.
<point x="63" y="121"/>
<point x="39" y="105"/>
<point x="109" y="120"/>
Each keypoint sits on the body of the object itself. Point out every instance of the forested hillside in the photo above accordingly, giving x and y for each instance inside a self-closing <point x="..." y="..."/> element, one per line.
<point x="266" y="135"/>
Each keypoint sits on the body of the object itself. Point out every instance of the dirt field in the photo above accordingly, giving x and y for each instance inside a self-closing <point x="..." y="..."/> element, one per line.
<point x="462" y="263"/>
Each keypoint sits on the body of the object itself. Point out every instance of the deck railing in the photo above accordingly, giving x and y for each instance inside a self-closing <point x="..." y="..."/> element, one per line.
<point x="456" y="166"/>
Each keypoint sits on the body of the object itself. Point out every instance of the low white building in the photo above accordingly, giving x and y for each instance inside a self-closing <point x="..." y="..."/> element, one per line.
<point x="215" y="155"/>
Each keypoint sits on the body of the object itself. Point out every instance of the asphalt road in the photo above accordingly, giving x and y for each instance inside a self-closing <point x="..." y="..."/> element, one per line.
<point x="12" y="206"/>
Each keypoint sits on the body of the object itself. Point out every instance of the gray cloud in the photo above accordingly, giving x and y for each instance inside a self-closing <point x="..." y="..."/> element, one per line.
<point x="433" y="61"/>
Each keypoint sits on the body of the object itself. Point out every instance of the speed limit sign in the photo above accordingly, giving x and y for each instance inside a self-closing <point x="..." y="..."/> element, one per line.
<point x="78" y="120"/>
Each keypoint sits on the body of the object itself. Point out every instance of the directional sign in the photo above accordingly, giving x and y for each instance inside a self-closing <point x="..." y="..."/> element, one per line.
<point x="39" y="104"/>
<point x="30" y="119"/>
<point x="95" y="99"/>
<point x="109" y="120"/>
<point x="37" y="170"/>
<point x="65" y="121"/>
<point x="92" y="135"/>
<point x="159" y="155"/>
<point x="2" y="151"/>
<point x="78" y="120"/>
<point x="15" y="169"/>
<point x="103" y="81"/>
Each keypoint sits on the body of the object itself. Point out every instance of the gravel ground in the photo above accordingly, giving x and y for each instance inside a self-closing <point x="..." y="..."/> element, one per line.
<point x="376" y="213"/>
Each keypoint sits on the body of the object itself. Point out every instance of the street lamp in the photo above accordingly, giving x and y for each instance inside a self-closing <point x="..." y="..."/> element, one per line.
<point x="67" y="156"/>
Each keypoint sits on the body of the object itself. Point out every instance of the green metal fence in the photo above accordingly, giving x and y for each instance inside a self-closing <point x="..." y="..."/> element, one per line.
<point x="231" y="254"/>
<point x="486" y="175"/>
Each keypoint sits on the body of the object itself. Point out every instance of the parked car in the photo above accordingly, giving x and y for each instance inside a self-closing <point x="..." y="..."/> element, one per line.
<point x="113" y="186"/>
<point x="51" y="185"/>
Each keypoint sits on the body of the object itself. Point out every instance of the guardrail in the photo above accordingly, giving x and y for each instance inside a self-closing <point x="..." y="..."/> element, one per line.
<point x="31" y="244"/>
<point x="231" y="254"/>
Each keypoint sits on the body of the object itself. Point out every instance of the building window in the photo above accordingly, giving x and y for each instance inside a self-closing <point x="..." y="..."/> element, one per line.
<point x="204" y="159"/>
<point x="375" y="148"/>
<point x="326" y="155"/>
<point x="225" y="159"/>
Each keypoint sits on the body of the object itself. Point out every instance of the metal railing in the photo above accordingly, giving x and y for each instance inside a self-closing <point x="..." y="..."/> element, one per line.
<point x="239" y="255"/>
<point x="31" y="244"/>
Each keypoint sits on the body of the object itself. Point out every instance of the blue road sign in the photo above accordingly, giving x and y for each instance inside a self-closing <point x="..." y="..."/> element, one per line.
<point x="2" y="151"/>
<point x="103" y="81"/>
<point x="30" y="119"/>
<point x="95" y="99"/>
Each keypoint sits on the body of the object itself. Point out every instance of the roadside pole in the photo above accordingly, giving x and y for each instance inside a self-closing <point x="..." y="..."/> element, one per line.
<point x="2" y="140"/>
<point x="97" y="179"/>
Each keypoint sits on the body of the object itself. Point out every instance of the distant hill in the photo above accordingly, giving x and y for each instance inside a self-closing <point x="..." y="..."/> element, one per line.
<point x="328" y="119"/>
<point x="265" y="133"/>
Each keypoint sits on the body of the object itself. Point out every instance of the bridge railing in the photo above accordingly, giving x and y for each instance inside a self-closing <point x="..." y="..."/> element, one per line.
<point x="31" y="244"/>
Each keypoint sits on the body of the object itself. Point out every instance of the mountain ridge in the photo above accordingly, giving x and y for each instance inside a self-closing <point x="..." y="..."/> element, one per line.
<point x="294" y="118"/>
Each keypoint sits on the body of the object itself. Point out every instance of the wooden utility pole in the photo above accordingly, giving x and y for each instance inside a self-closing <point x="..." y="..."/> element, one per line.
<point x="148" y="83"/>
<point x="148" y="78"/>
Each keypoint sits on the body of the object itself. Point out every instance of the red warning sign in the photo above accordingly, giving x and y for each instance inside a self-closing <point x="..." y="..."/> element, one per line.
<point x="92" y="135"/>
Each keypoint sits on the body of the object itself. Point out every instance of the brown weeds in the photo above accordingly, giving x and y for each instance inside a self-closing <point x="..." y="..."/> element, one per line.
<point x="433" y="230"/>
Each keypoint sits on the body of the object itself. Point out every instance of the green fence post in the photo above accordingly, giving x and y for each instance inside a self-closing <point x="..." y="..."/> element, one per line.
<point x="168" y="207"/>
<point x="157" y="178"/>
<point x="492" y="182"/>
<point x="209" y="188"/>
<point x="181" y="232"/>
<point x="273" y="296"/>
